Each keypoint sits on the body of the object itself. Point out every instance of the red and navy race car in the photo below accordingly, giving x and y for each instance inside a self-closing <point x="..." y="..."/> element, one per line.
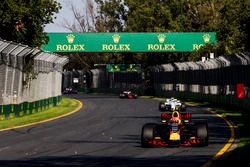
<point x="127" y="95"/>
<point x="176" y="129"/>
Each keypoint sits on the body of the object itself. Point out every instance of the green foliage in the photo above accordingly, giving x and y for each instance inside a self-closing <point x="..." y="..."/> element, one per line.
<point x="149" y="16"/>
<point x="112" y="15"/>
<point x="23" y="21"/>
<point x="79" y="61"/>
<point x="233" y="30"/>
<point x="204" y="52"/>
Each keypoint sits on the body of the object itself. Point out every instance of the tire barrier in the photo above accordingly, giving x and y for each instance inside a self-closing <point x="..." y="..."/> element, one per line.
<point x="30" y="79"/>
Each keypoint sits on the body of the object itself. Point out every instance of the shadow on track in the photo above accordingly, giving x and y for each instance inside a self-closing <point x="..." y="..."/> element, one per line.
<point x="101" y="161"/>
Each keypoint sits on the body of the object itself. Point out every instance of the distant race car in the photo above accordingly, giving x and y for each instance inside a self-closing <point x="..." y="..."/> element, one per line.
<point x="70" y="91"/>
<point x="172" y="104"/>
<point x="175" y="129"/>
<point x="128" y="95"/>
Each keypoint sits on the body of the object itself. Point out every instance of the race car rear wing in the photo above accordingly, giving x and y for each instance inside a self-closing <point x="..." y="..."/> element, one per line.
<point x="168" y="115"/>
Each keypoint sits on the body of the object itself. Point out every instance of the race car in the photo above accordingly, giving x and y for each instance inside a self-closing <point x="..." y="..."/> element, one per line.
<point x="128" y="95"/>
<point x="69" y="91"/>
<point x="175" y="129"/>
<point x="172" y="104"/>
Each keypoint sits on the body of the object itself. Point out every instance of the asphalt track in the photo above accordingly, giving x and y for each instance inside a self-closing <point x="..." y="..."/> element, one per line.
<point x="106" y="132"/>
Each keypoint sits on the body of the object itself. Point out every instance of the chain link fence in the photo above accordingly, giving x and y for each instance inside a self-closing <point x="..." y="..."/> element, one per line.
<point x="30" y="80"/>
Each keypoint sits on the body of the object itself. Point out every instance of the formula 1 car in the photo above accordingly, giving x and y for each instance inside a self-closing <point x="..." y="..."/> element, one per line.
<point x="176" y="129"/>
<point x="70" y="91"/>
<point x="128" y="95"/>
<point x="172" y="104"/>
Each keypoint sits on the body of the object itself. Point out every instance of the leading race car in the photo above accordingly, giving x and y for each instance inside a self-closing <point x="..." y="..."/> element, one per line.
<point x="128" y="95"/>
<point x="176" y="129"/>
<point x="172" y="104"/>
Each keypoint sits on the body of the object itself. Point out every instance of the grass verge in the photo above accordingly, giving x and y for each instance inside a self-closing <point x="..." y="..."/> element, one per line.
<point x="67" y="105"/>
<point x="240" y="154"/>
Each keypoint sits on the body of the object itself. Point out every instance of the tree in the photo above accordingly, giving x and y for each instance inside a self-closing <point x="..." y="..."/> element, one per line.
<point x="149" y="16"/>
<point x="84" y="17"/>
<point x="234" y="27"/>
<point x="84" y="21"/>
<point x="202" y="15"/>
<point x="112" y="15"/>
<point x="23" y="21"/>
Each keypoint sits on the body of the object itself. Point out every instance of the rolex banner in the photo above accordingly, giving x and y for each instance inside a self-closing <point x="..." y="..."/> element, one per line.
<point x="128" y="42"/>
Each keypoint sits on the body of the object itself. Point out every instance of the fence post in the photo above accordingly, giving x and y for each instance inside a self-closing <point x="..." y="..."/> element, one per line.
<point x="17" y="109"/>
<point x="7" y="109"/>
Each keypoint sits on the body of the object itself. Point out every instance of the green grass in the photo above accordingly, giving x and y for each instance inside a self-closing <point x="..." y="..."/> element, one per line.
<point x="241" y="119"/>
<point x="152" y="97"/>
<point x="191" y="103"/>
<point x="67" y="105"/>
<point x="233" y="115"/>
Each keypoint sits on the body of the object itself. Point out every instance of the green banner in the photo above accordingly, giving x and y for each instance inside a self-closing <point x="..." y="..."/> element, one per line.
<point x="123" y="67"/>
<point x="128" y="42"/>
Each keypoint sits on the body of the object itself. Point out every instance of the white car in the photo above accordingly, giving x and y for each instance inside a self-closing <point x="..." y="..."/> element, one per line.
<point x="172" y="104"/>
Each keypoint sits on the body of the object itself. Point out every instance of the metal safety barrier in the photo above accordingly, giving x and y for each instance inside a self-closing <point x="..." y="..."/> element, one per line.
<point x="213" y="80"/>
<point x="30" y="79"/>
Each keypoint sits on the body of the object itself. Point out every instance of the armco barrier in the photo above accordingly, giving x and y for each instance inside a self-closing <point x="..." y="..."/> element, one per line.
<point x="17" y="108"/>
<point x="7" y="110"/>
<point x="27" y="108"/>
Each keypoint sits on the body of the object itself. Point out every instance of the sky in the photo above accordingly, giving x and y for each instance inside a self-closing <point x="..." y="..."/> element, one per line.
<point x="64" y="13"/>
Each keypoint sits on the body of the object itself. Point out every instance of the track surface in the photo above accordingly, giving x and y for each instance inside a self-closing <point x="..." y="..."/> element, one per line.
<point x="106" y="132"/>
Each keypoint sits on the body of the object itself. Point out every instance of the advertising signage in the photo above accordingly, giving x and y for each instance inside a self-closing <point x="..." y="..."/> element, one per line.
<point x="123" y="67"/>
<point x="128" y="42"/>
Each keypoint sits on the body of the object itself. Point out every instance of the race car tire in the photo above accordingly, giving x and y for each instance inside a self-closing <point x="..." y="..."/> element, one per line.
<point x="183" y="107"/>
<point x="202" y="133"/>
<point x="162" y="106"/>
<point x="130" y="97"/>
<point x="147" y="134"/>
